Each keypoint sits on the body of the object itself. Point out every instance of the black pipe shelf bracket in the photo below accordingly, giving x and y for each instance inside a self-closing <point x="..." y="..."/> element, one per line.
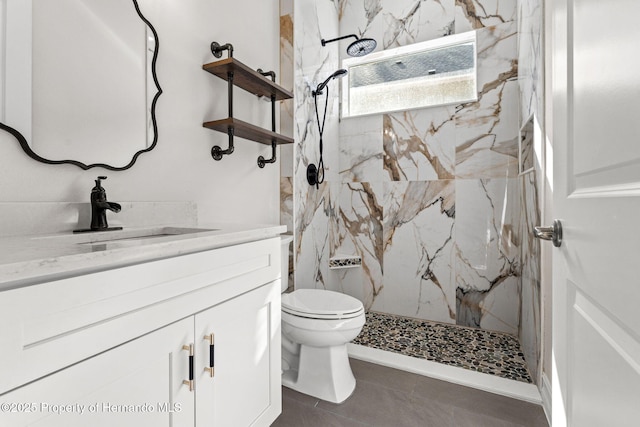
<point x="261" y="160"/>
<point x="256" y="82"/>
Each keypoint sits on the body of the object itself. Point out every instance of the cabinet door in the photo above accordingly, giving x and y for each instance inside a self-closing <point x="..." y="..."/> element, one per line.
<point x="246" y="387"/>
<point x="136" y="384"/>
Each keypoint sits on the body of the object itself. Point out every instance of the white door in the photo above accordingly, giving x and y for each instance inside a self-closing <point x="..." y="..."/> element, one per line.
<point x="596" y="148"/>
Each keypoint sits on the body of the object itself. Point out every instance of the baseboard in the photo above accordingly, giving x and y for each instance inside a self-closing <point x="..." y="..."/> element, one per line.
<point x="545" y="391"/>
<point x="490" y="383"/>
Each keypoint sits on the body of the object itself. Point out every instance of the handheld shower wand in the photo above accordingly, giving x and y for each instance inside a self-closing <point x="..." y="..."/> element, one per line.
<point x="315" y="175"/>
<point x="324" y="84"/>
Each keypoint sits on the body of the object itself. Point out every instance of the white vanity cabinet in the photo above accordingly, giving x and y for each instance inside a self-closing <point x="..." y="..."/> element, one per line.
<point x="245" y="389"/>
<point x="135" y="384"/>
<point x="112" y="347"/>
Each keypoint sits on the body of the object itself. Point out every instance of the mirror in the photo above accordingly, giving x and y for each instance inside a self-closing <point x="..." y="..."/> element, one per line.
<point x="80" y="81"/>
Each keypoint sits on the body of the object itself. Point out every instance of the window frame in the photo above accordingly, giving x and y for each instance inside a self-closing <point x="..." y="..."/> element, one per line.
<point x="400" y="52"/>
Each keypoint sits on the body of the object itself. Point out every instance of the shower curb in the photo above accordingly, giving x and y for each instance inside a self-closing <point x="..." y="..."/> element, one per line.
<point x="502" y="386"/>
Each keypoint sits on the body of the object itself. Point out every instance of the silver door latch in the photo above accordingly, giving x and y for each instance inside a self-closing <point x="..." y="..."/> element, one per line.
<point x="553" y="233"/>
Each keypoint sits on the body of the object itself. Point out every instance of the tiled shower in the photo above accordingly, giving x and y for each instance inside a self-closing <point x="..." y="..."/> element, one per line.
<point x="437" y="202"/>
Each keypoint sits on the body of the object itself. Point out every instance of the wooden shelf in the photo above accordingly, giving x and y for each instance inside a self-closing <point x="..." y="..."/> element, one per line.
<point x="248" y="131"/>
<point x="247" y="79"/>
<point x="253" y="82"/>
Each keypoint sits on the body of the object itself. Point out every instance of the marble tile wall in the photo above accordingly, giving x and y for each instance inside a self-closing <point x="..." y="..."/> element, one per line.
<point x="286" y="76"/>
<point x="398" y="23"/>
<point x="488" y="254"/>
<point x="531" y="81"/>
<point x="530" y="325"/>
<point x="430" y="199"/>
<point x="287" y="70"/>
<point x="286" y="65"/>
<point x="313" y="206"/>
<point x="530" y="59"/>
<point x="435" y="190"/>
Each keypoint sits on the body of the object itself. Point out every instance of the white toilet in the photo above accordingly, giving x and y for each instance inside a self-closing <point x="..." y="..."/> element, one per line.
<point x="316" y="327"/>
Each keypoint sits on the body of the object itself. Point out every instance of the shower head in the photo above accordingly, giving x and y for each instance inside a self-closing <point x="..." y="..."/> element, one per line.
<point x="340" y="73"/>
<point x="360" y="47"/>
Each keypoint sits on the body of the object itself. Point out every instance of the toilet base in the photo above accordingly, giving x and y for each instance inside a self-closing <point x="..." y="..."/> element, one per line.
<point x="323" y="372"/>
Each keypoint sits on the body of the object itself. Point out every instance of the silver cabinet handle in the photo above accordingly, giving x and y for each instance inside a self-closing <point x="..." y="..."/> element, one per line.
<point x="553" y="233"/>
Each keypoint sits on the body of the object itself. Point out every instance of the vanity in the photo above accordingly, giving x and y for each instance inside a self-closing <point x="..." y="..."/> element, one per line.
<point x="156" y="326"/>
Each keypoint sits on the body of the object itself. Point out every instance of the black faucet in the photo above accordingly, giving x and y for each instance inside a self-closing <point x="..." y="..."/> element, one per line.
<point x="99" y="206"/>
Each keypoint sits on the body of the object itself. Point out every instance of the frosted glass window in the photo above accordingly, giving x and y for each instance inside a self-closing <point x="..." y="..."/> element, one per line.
<point x="436" y="72"/>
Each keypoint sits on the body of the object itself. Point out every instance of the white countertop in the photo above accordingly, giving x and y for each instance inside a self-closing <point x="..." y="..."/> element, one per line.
<point x="27" y="260"/>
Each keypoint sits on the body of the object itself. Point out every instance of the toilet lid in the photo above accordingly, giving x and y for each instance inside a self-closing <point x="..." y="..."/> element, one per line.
<point x="321" y="304"/>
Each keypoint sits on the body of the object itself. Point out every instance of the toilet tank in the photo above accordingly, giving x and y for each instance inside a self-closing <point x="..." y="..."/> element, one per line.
<point x="285" y="240"/>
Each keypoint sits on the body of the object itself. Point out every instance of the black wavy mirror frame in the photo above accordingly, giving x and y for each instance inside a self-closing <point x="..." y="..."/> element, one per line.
<point x="25" y="145"/>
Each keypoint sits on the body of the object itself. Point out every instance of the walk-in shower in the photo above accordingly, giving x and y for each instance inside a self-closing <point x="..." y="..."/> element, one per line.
<point x="430" y="199"/>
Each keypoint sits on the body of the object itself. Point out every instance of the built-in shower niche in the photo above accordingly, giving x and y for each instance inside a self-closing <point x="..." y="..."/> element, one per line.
<point x="526" y="152"/>
<point x="345" y="261"/>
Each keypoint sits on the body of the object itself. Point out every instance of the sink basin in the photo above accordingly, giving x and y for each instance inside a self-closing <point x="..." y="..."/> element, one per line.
<point x="125" y="235"/>
<point x="120" y="235"/>
<point x="116" y="236"/>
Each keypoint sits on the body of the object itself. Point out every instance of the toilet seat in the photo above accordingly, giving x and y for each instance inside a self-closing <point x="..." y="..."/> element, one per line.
<point x="321" y="304"/>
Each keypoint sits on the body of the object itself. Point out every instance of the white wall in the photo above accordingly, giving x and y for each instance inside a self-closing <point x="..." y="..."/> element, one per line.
<point x="180" y="168"/>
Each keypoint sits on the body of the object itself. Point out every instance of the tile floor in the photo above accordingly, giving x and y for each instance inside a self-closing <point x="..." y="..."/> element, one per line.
<point x="493" y="353"/>
<point x="386" y="397"/>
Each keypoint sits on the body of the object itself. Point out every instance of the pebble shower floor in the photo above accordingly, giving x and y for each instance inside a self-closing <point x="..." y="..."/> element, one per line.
<point x="493" y="353"/>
